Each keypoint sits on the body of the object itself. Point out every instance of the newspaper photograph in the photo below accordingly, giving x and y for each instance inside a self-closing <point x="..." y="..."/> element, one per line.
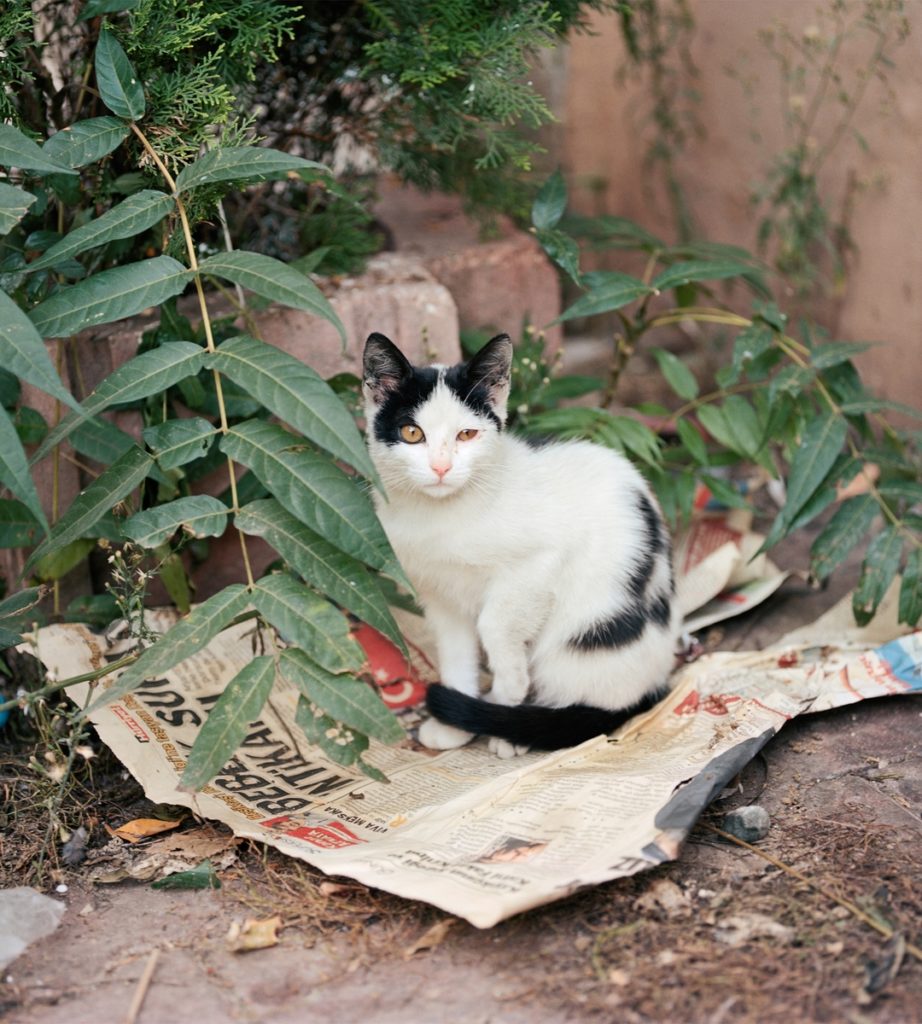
<point x="478" y="836"/>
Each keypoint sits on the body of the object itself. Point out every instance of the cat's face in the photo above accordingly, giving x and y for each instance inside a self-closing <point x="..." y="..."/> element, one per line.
<point x="432" y="428"/>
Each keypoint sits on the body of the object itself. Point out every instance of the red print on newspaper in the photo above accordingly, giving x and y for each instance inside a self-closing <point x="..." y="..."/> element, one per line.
<point x="331" y="835"/>
<point x="713" y="704"/>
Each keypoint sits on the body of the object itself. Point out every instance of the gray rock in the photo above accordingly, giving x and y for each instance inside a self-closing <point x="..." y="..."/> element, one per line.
<point x="748" y="823"/>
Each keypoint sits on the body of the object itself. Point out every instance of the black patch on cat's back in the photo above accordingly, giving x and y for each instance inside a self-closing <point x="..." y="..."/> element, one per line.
<point x="625" y="626"/>
<point x="617" y="630"/>
<point x="400" y="405"/>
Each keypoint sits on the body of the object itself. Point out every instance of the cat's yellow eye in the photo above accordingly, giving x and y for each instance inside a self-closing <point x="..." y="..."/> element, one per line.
<point x="467" y="435"/>
<point x="411" y="433"/>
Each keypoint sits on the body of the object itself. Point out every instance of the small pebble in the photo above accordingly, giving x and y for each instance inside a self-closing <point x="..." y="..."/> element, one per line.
<point x="748" y="823"/>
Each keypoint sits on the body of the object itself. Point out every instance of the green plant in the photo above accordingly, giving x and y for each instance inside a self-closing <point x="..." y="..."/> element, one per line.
<point x="319" y="517"/>
<point x="827" y="73"/>
<point x="436" y="90"/>
<point x="789" y="401"/>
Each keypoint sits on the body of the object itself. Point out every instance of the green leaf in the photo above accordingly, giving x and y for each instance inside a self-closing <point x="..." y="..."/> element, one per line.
<point x="23" y="352"/>
<point x="677" y="374"/>
<point x="14" y="606"/>
<point x="133" y="215"/>
<point x="59" y="561"/>
<point x="790" y="380"/>
<point x="177" y="442"/>
<point x="743" y="421"/>
<point x="819" y="446"/>
<point x="14" y="469"/>
<point x="95" y="8"/>
<point x="713" y="421"/>
<point x="199" y="515"/>
<point x="273" y="280"/>
<point x="635" y="437"/>
<point x="18" y="527"/>
<point x="877" y="572"/>
<point x="175" y="579"/>
<point x="725" y="493"/>
<point x="562" y="249"/>
<point x="323" y="732"/>
<point x="693" y="441"/>
<point x="550" y="202"/>
<point x="186" y="638"/>
<point x="349" y="701"/>
<point x="102" y="441"/>
<point x="844" y="470"/>
<point x="861" y="406"/>
<point x="201" y="877"/>
<point x="10" y="389"/>
<point x="320" y="494"/>
<point x="245" y="164"/>
<point x="297" y="395"/>
<point x="572" y="386"/>
<point x="911" y="589"/>
<point x="119" y="86"/>
<point x="98" y="610"/>
<point x="902" y="490"/>
<point x="18" y="150"/>
<point x="107" y="490"/>
<point x="308" y="621"/>
<point x="834" y="352"/>
<point x="847" y="527"/>
<point x="227" y="723"/>
<point x="145" y="375"/>
<point x="750" y="343"/>
<point x="699" y="270"/>
<point x="610" y="290"/>
<point x="31" y="427"/>
<point x="614" y="232"/>
<point x="319" y="563"/>
<point x="14" y="204"/>
<point x="86" y="141"/>
<point x="109" y="295"/>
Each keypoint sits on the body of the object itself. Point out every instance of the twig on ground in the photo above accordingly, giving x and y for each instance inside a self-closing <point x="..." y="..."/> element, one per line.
<point x="143" y="985"/>
<point x="849" y="906"/>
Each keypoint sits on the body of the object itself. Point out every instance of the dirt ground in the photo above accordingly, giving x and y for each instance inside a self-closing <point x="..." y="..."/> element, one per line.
<point x="720" y="936"/>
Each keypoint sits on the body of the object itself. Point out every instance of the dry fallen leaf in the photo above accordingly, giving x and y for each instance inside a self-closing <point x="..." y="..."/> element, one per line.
<point x="253" y="934"/>
<point x="738" y="929"/>
<point x="430" y="938"/>
<point x="663" y="895"/>
<point x="336" y="889"/>
<point x="195" y="844"/>
<point x="141" y="828"/>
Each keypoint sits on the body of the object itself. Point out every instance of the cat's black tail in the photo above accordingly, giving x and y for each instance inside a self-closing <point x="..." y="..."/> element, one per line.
<point x="530" y="724"/>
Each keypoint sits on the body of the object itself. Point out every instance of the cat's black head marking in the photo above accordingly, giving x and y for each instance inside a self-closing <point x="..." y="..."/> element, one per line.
<point x="398" y="388"/>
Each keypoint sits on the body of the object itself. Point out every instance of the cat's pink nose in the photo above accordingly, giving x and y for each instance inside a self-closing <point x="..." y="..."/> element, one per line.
<point x="441" y="470"/>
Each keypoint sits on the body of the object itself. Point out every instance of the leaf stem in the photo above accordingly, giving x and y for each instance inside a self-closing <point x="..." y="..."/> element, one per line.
<point x="206" y="324"/>
<point x="62" y="684"/>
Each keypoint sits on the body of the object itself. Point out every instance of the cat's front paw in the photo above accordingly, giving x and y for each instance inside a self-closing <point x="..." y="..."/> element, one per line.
<point x="505" y="749"/>
<point x="437" y="735"/>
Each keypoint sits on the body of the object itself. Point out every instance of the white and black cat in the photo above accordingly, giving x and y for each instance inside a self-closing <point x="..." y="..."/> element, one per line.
<point x="554" y="560"/>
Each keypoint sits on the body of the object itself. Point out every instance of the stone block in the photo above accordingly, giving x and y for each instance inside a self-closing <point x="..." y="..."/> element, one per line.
<point x="396" y="295"/>
<point x="498" y="284"/>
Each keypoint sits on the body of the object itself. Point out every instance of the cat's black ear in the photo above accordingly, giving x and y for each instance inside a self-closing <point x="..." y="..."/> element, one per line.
<point x="491" y="369"/>
<point x="384" y="368"/>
